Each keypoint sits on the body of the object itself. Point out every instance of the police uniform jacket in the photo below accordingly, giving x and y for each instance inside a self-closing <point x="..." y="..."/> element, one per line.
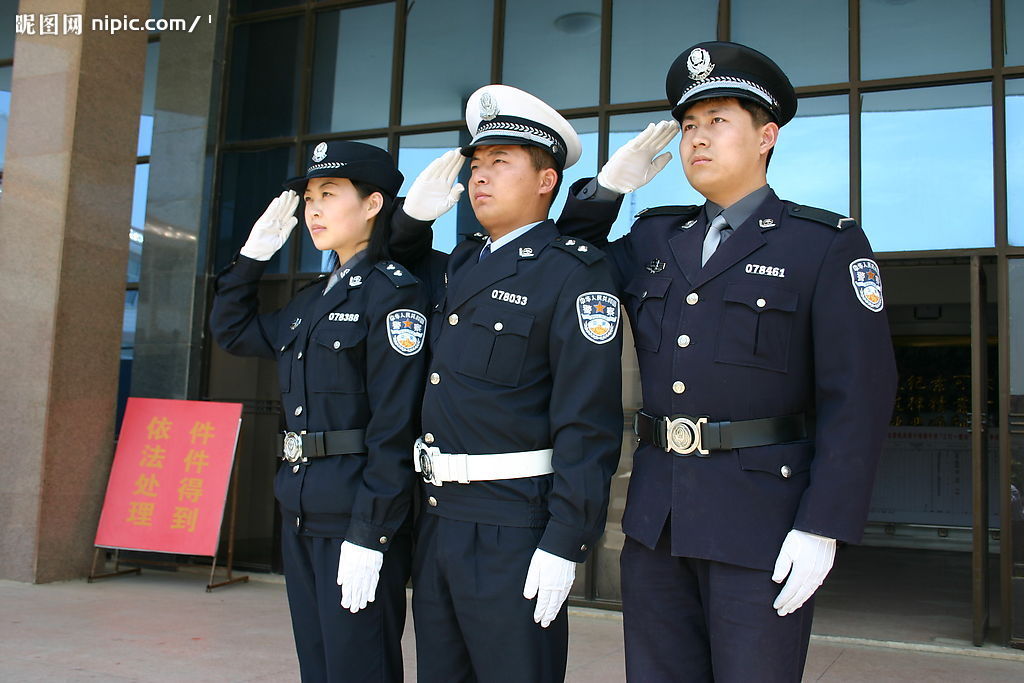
<point x="512" y="370"/>
<point x="338" y="369"/>
<point x="771" y="326"/>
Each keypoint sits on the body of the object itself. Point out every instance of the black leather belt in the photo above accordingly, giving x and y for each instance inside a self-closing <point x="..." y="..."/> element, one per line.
<point x="301" y="447"/>
<point x="687" y="435"/>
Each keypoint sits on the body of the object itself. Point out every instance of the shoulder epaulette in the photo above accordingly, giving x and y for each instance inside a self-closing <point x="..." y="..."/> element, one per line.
<point x="833" y="220"/>
<point x="688" y="210"/>
<point x="399" y="276"/>
<point x="581" y="249"/>
<point x="319" y="280"/>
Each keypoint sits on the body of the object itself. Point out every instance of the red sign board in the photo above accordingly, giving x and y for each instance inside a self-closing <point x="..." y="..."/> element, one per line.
<point x="170" y="476"/>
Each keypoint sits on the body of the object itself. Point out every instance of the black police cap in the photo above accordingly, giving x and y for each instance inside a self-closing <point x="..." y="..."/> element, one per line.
<point x="352" y="160"/>
<point x="723" y="69"/>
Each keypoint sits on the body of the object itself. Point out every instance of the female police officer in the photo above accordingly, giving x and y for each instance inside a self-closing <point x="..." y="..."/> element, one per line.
<point x="351" y="373"/>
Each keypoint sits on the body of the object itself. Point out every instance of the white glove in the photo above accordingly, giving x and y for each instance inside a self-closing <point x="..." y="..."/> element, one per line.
<point x="633" y="165"/>
<point x="432" y="192"/>
<point x="358" y="573"/>
<point x="549" y="578"/>
<point x="271" y="231"/>
<point x="807" y="558"/>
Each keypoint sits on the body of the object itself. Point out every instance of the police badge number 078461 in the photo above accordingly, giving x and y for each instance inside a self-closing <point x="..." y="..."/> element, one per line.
<point x="599" y="316"/>
<point x="867" y="283"/>
<point x="406" y="331"/>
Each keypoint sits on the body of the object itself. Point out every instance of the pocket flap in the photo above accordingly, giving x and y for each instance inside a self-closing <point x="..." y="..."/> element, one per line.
<point x="503" y="322"/>
<point x="761" y="298"/>
<point x="344" y="336"/>
<point x="648" y="287"/>
<point x="771" y="459"/>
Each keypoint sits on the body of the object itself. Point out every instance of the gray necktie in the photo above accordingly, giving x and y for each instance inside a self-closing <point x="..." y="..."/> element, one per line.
<point x="718" y="232"/>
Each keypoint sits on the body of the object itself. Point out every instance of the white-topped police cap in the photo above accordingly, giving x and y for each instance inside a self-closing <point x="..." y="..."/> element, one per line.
<point x="503" y="115"/>
<point x="352" y="160"/>
<point x="724" y="69"/>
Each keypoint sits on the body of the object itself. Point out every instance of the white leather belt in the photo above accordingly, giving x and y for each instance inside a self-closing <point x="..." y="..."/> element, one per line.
<point x="437" y="467"/>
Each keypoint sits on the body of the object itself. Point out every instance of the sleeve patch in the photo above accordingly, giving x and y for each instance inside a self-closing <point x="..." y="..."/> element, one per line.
<point x="406" y="331"/>
<point x="867" y="283"/>
<point x="599" y="316"/>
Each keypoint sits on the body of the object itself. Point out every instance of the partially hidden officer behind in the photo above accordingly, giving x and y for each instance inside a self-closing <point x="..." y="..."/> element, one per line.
<point x="349" y="352"/>
<point x="522" y="413"/>
<point x="768" y="381"/>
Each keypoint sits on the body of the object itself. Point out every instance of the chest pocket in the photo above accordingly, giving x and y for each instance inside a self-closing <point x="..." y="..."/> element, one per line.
<point x="285" y="356"/>
<point x="337" y="359"/>
<point x="437" y="320"/>
<point x="497" y="345"/>
<point x="755" y="326"/>
<point x="645" y="298"/>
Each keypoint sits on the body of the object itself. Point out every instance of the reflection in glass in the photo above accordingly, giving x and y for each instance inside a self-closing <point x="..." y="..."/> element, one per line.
<point x="124" y="378"/>
<point x="1015" y="161"/>
<point x="586" y="167"/>
<point x="415" y="153"/>
<point x="352" y="69"/>
<point x="242" y="6"/>
<point x="763" y="27"/>
<point x="5" y="110"/>
<point x="910" y="173"/>
<point x="249" y="181"/>
<point x="136" y="232"/>
<point x="7" y="33"/>
<point x="1014" y="16"/>
<point x="148" y="101"/>
<point x="441" y="74"/>
<point x="554" y="52"/>
<point x="914" y="38"/>
<point x="642" y="49"/>
<point x="668" y="187"/>
<point x="1016" y="325"/>
<point x="811" y="163"/>
<point x="265" y="63"/>
<point x="311" y="259"/>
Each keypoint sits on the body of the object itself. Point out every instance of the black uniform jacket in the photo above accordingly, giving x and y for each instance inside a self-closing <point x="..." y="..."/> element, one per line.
<point x="513" y="369"/>
<point x="339" y="368"/>
<point x="771" y="326"/>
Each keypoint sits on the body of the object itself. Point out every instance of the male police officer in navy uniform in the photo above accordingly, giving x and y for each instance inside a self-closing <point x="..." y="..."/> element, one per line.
<point x="768" y="381"/>
<point x="522" y="412"/>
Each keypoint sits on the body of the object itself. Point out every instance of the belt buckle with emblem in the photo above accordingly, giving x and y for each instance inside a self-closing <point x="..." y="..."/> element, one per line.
<point x="292" y="447"/>
<point x="682" y="435"/>
<point x="422" y="461"/>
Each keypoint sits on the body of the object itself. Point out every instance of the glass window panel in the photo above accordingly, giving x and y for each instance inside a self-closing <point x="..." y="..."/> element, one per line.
<point x="148" y="101"/>
<point x="352" y="69"/>
<point x="136" y="232"/>
<point x="811" y="163"/>
<point x="311" y="259"/>
<point x="244" y="6"/>
<point x="248" y="182"/>
<point x="1013" y="14"/>
<point x="415" y="153"/>
<point x="124" y="378"/>
<point x="586" y="167"/>
<point x="1016" y="325"/>
<point x="913" y="38"/>
<point x="7" y="35"/>
<point x="440" y="75"/>
<point x="822" y="31"/>
<point x="1015" y="160"/>
<point x="554" y="52"/>
<point x="642" y="50"/>
<point x="668" y="187"/>
<point x="5" y="110"/>
<point x="265" y="62"/>
<point x="910" y="171"/>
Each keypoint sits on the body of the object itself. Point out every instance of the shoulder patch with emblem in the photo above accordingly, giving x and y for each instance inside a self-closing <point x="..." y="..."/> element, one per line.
<point x="599" y="315"/>
<point x="406" y="331"/>
<point x="867" y="283"/>
<point x="834" y="220"/>
<point x="398" y="275"/>
<point x="581" y="249"/>
<point x="688" y="210"/>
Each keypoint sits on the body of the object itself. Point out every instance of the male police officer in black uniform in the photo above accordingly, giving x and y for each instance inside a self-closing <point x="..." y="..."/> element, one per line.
<point x="768" y="381"/>
<point x="522" y="412"/>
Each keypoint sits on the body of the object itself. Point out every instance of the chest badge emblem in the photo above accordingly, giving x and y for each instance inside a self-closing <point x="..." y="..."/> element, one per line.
<point x="296" y="323"/>
<point x="355" y="281"/>
<point x="656" y="266"/>
<point x="766" y="223"/>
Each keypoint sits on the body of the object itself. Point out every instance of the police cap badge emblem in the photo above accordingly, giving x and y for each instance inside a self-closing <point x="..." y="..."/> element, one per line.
<point x="488" y="107"/>
<point x="320" y="152"/>
<point x="699" y="64"/>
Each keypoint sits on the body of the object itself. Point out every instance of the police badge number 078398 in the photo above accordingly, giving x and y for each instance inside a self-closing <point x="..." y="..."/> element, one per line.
<point x="599" y="316"/>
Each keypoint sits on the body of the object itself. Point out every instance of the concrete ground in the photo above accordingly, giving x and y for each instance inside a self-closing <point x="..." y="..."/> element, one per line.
<point x="163" y="626"/>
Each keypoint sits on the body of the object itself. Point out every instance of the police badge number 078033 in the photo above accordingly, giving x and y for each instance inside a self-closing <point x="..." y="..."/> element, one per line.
<point x="599" y="316"/>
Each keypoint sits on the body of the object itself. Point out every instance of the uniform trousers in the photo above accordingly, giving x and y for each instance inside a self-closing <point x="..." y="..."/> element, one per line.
<point x="472" y="621"/>
<point x="332" y="643"/>
<point x="689" y="619"/>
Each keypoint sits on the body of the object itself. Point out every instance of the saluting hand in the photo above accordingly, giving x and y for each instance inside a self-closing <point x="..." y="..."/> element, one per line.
<point x="358" y="574"/>
<point x="634" y="165"/>
<point x="271" y="231"/>
<point x="807" y="559"/>
<point x="432" y="193"/>
<point x="549" y="578"/>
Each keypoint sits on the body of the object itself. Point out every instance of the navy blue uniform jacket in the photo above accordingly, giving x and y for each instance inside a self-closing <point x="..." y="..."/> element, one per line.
<point x="338" y="369"/>
<point x="772" y="325"/>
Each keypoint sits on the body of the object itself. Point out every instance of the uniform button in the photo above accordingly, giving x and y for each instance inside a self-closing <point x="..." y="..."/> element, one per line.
<point x="428" y="438"/>
<point x="453" y="319"/>
<point x="644" y="295"/>
<point x="678" y="387"/>
<point x="498" y="326"/>
<point x="298" y="522"/>
<point x="683" y="341"/>
<point x="383" y="540"/>
<point x="786" y="472"/>
<point x="692" y="298"/>
<point x="432" y="502"/>
<point x="298" y="411"/>
<point x="299" y="355"/>
<point x="761" y="303"/>
<point x="434" y="378"/>
<point x="583" y="548"/>
<point x="337" y="344"/>
<point x="283" y="348"/>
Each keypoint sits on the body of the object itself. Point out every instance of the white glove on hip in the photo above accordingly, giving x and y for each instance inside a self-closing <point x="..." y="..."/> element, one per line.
<point x="432" y="192"/>
<point x="807" y="559"/>
<point x="271" y="231"/>
<point x="633" y="165"/>
<point x="358" y="573"/>
<point x="549" y="578"/>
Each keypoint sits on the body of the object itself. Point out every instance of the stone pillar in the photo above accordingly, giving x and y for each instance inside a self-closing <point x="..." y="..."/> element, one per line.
<point x="64" y="219"/>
